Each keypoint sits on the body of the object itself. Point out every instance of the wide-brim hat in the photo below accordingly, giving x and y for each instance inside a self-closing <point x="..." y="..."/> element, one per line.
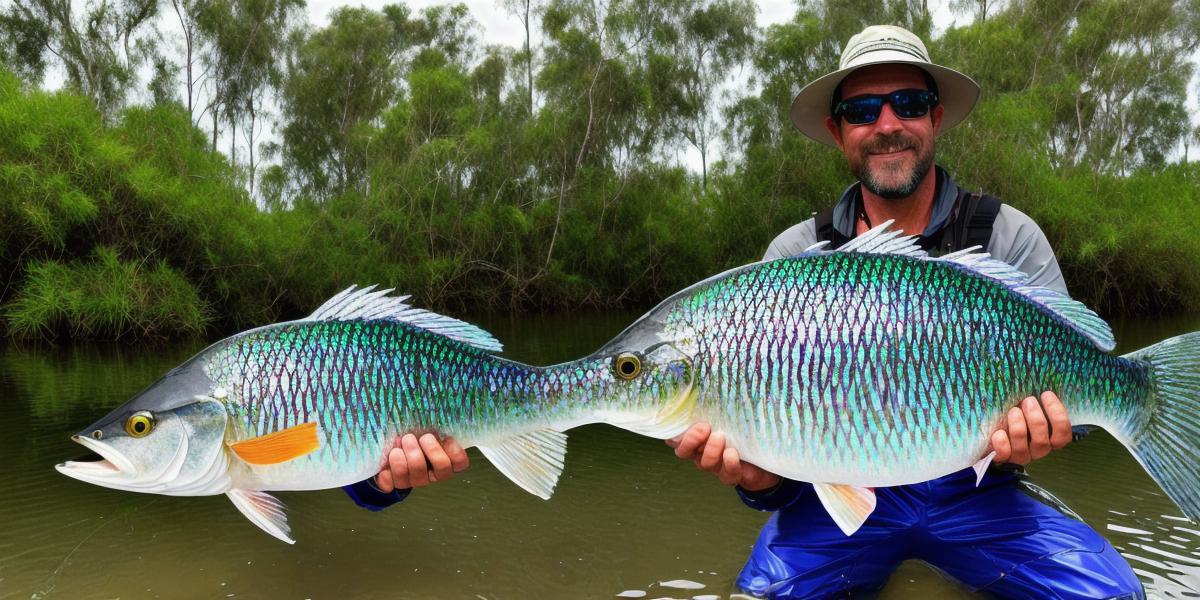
<point x="882" y="44"/>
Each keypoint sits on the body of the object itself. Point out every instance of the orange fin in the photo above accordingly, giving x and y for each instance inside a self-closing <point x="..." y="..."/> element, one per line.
<point x="280" y="446"/>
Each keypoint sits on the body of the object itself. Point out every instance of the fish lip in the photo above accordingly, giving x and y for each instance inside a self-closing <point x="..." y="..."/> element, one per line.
<point x="112" y="462"/>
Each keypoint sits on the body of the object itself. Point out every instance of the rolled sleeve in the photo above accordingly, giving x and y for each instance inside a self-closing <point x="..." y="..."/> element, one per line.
<point x="783" y="495"/>
<point x="366" y="495"/>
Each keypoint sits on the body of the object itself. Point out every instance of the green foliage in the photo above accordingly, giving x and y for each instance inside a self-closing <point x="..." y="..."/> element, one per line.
<point x="484" y="177"/>
<point x="105" y="296"/>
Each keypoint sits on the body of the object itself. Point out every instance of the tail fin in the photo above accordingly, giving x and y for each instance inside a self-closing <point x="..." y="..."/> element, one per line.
<point x="1168" y="442"/>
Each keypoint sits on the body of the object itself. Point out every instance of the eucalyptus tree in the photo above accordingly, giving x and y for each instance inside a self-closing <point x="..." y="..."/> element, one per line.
<point x="100" y="45"/>
<point x="242" y="42"/>
<point x="338" y="82"/>
<point x="524" y="10"/>
<point x="713" y="40"/>
<point x="1106" y="80"/>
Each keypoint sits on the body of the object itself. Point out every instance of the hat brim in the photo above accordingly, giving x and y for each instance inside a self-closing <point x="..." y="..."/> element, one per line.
<point x="958" y="94"/>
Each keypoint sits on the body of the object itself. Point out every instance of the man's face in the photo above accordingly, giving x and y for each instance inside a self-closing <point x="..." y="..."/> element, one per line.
<point x="892" y="155"/>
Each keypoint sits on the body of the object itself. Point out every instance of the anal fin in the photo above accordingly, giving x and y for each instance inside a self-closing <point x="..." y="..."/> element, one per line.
<point x="981" y="467"/>
<point x="848" y="505"/>
<point x="263" y="510"/>
<point x="531" y="460"/>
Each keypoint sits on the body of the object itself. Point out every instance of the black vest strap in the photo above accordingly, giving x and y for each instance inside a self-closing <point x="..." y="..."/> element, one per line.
<point x="970" y="225"/>
<point x="826" y="232"/>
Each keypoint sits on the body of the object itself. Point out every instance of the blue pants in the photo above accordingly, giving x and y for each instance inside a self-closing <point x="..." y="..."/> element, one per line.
<point x="995" y="539"/>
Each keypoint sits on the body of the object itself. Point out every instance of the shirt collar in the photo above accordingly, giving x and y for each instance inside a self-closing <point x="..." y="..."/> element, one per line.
<point x="845" y="212"/>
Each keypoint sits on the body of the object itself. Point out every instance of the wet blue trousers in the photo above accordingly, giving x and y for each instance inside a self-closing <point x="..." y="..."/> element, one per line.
<point x="995" y="539"/>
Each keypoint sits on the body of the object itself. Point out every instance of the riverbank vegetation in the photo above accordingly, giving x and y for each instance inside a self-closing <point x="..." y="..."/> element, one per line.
<point x="273" y="163"/>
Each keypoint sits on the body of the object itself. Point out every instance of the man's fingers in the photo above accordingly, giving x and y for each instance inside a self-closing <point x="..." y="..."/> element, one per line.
<point x="418" y="468"/>
<point x="458" y="456"/>
<point x="692" y="440"/>
<point x="710" y="459"/>
<point x="731" y="467"/>
<point x="1001" y="446"/>
<point x="439" y="462"/>
<point x="383" y="481"/>
<point x="1018" y="437"/>
<point x="1060" y="422"/>
<point x="398" y="468"/>
<point x="1039" y="429"/>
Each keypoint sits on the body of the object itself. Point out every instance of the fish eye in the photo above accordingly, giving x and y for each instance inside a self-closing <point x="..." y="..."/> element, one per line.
<point x="97" y="434"/>
<point x="627" y="365"/>
<point x="139" y="424"/>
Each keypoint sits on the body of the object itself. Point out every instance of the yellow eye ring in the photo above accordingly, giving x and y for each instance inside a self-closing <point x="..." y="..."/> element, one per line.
<point x="627" y="365"/>
<point x="139" y="424"/>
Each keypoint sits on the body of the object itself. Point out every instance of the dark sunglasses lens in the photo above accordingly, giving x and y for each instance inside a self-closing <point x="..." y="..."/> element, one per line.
<point x="910" y="104"/>
<point x="862" y="110"/>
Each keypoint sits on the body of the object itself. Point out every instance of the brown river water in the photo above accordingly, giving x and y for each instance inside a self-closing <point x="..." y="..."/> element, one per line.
<point x="628" y="520"/>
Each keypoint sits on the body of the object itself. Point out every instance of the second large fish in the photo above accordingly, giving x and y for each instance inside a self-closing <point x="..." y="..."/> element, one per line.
<point x="876" y="365"/>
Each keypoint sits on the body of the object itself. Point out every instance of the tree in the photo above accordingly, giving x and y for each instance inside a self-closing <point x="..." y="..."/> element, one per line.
<point x="338" y="82"/>
<point x="713" y="39"/>
<point x="242" y="42"/>
<point x="100" y="47"/>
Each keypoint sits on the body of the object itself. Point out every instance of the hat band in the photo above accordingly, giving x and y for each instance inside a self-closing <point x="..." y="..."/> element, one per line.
<point x="888" y="44"/>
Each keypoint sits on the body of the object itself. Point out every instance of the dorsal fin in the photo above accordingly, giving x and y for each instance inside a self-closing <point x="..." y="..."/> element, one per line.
<point x="882" y="240"/>
<point x="363" y="304"/>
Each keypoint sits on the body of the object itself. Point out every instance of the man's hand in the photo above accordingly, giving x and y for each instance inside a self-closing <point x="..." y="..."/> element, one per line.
<point x="414" y="463"/>
<point x="707" y="449"/>
<point x="1031" y="430"/>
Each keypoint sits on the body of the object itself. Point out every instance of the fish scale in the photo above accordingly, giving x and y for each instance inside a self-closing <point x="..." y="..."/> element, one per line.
<point x="879" y="319"/>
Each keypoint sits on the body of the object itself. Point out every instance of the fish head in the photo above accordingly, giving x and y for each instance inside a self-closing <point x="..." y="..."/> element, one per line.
<point x="659" y="370"/>
<point x="169" y="439"/>
<point x="652" y="389"/>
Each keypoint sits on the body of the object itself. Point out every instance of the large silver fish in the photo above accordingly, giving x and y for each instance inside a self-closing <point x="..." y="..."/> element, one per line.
<point x="316" y="403"/>
<point x="877" y="365"/>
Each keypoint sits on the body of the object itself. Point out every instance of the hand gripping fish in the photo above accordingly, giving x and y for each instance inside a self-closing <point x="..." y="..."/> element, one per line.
<point x="317" y="403"/>
<point x="876" y="365"/>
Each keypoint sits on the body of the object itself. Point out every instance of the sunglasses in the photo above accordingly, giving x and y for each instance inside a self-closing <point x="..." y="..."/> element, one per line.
<point x="865" y="109"/>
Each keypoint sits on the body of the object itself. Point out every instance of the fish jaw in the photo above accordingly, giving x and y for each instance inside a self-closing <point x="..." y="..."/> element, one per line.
<point x="113" y="470"/>
<point x="183" y="456"/>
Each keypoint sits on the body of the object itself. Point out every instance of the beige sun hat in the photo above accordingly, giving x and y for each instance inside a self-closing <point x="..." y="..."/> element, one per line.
<point x="875" y="45"/>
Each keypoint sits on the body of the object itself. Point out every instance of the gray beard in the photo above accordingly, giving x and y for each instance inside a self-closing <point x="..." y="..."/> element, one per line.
<point x="901" y="190"/>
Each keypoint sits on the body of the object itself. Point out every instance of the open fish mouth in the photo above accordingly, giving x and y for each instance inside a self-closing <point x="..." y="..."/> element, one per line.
<point x="103" y="463"/>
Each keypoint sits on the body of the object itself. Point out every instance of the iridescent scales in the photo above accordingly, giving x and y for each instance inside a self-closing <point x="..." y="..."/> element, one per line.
<point x="875" y="369"/>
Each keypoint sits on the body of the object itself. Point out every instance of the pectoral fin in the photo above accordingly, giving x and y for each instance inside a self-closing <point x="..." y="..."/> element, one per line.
<point x="280" y="446"/>
<point x="981" y="467"/>
<point x="532" y="460"/>
<point x="263" y="510"/>
<point x="848" y="505"/>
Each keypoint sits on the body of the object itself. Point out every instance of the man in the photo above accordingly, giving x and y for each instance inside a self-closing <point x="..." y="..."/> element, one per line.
<point x="883" y="108"/>
<point x="413" y="462"/>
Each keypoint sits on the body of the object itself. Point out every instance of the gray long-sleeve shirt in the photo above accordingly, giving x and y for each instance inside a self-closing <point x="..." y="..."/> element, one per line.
<point x="1016" y="239"/>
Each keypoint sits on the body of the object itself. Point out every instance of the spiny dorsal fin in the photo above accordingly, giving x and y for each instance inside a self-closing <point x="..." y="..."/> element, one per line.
<point x="363" y="304"/>
<point x="882" y="240"/>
